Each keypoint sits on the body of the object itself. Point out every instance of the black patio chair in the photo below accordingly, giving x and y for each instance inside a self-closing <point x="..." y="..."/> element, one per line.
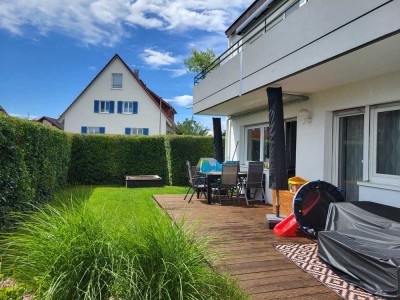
<point x="254" y="182"/>
<point x="197" y="183"/>
<point x="228" y="183"/>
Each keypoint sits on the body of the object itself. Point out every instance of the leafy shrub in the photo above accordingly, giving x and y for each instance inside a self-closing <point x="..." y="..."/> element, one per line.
<point x="187" y="148"/>
<point x="99" y="159"/>
<point x="34" y="160"/>
<point x="72" y="253"/>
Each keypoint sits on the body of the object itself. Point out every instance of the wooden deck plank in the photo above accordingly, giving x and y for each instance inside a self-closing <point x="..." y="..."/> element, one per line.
<point x="247" y="248"/>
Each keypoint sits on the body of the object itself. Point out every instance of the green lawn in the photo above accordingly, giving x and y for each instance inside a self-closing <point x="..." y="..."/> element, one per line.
<point x="102" y="242"/>
<point x="126" y="204"/>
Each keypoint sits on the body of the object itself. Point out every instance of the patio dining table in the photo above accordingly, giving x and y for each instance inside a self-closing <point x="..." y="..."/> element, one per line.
<point x="212" y="177"/>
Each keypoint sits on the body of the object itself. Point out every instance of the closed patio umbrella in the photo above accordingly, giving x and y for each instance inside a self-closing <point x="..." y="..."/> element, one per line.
<point x="277" y="162"/>
<point x="218" y="151"/>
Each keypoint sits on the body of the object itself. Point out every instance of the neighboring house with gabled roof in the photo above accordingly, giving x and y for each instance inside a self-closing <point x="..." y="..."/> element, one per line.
<point x="116" y="101"/>
<point x="50" y="122"/>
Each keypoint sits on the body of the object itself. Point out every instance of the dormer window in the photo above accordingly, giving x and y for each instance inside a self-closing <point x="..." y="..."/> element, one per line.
<point x="117" y="80"/>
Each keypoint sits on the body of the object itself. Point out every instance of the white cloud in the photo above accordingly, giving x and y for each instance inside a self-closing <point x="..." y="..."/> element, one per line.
<point x="184" y="100"/>
<point x="106" y="22"/>
<point x="176" y="72"/>
<point x="157" y="58"/>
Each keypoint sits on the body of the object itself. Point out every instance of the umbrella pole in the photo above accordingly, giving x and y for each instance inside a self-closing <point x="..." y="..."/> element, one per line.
<point x="277" y="203"/>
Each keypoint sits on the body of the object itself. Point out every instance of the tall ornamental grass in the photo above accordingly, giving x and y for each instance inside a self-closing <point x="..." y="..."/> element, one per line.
<point x="70" y="252"/>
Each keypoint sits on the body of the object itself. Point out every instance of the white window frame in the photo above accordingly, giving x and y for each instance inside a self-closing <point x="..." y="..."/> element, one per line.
<point x="335" y="144"/>
<point x="93" y="130"/>
<point x="262" y="140"/>
<point x="113" y="85"/>
<point x="136" y="131"/>
<point x="105" y="111"/>
<point x="374" y="176"/>
<point x="123" y="107"/>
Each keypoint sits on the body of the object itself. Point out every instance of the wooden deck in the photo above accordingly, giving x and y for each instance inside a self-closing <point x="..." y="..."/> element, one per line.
<point x="247" y="248"/>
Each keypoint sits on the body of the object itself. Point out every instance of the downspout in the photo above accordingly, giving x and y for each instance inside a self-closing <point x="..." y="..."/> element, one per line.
<point x="160" y="118"/>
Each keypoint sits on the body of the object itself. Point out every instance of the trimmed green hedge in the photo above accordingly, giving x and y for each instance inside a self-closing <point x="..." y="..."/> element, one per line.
<point x="34" y="160"/>
<point x="187" y="148"/>
<point x="101" y="159"/>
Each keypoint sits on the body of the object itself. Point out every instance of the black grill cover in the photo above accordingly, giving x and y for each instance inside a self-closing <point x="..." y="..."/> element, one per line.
<point x="278" y="179"/>
<point x="311" y="205"/>
<point x="365" y="250"/>
<point x="218" y="151"/>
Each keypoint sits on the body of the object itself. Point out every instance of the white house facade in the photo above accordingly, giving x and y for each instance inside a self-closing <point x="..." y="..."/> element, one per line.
<point x="118" y="102"/>
<point x="338" y="63"/>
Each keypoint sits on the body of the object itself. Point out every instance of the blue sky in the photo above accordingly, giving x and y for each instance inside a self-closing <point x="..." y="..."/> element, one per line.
<point x="51" y="49"/>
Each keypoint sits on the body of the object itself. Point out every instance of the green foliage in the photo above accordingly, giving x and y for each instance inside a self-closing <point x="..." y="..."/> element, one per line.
<point x="10" y="290"/>
<point x="187" y="148"/>
<point x="198" y="61"/>
<point x="37" y="160"/>
<point x="192" y="127"/>
<point x="101" y="159"/>
<point x="73" y="253"/>
<point x="34" y="161"/>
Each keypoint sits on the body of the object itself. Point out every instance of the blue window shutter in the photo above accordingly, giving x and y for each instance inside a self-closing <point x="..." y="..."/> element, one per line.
<point x="84" y="129"/>
<point x="128" y="131"/>
<point x="145" y="131"/>
<point x="135" y="107"/>
<point x="96" y="106"/>
<point x="119" y="109"/>
<point x="111" y="107"/>
<point x="102" y="130"/>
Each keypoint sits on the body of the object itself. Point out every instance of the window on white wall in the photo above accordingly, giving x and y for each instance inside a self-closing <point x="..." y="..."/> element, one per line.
<point x="253" y="144"/>
<point x="127" y="107"/>
<point x="93" y="130"/>
<point x="117" y="80"/>
<point x="257" y="143"/>
<point x="385" y="142"/>
<point x="137" y="131"/>
<point x="104" y="107"/>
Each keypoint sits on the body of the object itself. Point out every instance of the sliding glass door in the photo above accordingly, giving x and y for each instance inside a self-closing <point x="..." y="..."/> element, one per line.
<point x="349" y="154"/>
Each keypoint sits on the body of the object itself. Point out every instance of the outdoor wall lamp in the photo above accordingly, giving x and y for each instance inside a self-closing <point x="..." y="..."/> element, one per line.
<point x="304" y="116"/>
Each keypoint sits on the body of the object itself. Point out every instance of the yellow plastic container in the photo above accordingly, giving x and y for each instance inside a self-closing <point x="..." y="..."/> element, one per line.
<point x="296" y="182"/>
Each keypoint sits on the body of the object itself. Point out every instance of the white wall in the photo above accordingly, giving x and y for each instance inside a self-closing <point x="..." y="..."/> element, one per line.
<point x="82" y="111"/>
<point x="314" y="139"/>
<point x="314" y="33"/>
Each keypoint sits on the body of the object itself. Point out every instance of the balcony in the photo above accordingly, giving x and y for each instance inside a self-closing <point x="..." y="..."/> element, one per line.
<point x="321" y="45"/>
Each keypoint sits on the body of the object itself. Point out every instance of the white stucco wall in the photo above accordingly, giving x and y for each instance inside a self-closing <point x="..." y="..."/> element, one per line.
<point x="82" y="111"/>
<point x="314" y="139"/>
<point x="318" y="31"/>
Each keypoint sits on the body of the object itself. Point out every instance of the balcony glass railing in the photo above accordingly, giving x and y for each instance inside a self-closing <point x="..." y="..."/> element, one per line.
<point x="266" y="24"/>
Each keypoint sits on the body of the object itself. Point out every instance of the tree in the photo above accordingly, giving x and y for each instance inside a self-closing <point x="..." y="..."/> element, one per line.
<point x="192" y="127"/>
<point x="198" y="61"/>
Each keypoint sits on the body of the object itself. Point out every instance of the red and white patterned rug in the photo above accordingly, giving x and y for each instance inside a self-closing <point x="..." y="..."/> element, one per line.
<point x="305" y="256"/>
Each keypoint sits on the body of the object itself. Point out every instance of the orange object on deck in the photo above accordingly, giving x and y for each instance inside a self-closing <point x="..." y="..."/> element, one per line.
<point x="287" y="227"/>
